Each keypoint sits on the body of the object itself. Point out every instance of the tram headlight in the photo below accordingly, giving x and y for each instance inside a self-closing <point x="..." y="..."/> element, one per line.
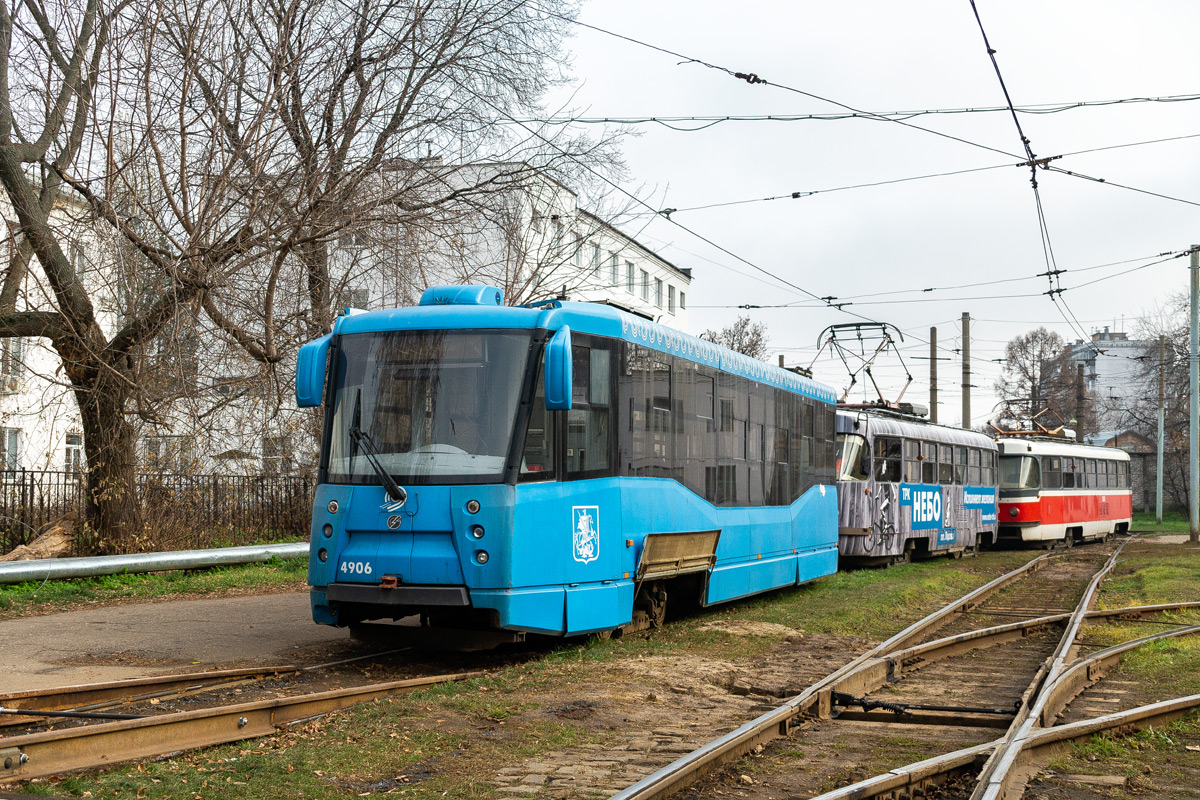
<point x="327" y="530"/>
<point x="333" y="506"/>
<point x="472" y="506"/>
<point x="481" y="556"/>
<point x="1012" y="512"/>
<point x="477" y="531"/>
<point x="323" y="554"/>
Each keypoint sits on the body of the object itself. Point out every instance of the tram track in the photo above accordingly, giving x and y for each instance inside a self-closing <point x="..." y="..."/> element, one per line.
<point x="907" y="677"/>
<point x="929" y="696"/>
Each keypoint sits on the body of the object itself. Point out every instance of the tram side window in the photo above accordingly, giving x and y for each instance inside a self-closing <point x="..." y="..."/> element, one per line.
<point x="1052" y="472"/>
<point x="928" y="462"/>
<point x="960" y="465"/>
<point x="912" y="461"/>
<point x="589" y="441"/>
<point x="537" y="459"/>
<point x="780" y="478"/>
<point x="945" y="464"/>
<point x="1069" y="473"/>
<point x="1125" y="474"/>
<point x="1102" y="467"/>
<point x="973" y="467"/>
<point x="988" y="475"/>
<point x="887" y="459"/>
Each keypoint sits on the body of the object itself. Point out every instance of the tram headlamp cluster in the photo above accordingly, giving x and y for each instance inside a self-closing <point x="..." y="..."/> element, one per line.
<point x="472" y="506"/>
<point x="477" y="531"/>
<point x="481" y="556"/>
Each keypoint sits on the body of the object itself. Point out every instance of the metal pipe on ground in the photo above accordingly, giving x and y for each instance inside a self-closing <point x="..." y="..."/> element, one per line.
<point x="59" y="568"/>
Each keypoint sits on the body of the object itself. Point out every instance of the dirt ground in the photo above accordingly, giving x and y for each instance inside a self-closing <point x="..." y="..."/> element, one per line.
<point x="127" y="641"/>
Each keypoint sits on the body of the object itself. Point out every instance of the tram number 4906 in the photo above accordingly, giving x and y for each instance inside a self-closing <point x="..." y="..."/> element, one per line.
<point x="356" y="568"/>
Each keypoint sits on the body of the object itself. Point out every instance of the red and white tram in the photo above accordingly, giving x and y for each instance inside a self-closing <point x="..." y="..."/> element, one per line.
<point x="1053" y="490"/>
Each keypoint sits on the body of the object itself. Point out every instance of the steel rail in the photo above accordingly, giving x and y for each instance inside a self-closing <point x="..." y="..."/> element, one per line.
<point x="93" y="696"/>
<point x="44" y="569"/>
<point x="863" y="670"/>
<point x="935" y="770"/>
<point x="997" y="774"/>
<point x="937" y="649"/>
<point x="51" y="752"/>
<point x="1088" y="671"/>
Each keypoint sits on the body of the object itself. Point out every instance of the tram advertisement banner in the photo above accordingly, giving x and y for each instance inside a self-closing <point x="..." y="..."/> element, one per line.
<point x="926" y="505"/>
<point x="982" y="498"/>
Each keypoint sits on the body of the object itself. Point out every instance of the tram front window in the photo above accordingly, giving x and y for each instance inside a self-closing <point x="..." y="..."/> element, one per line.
<point x="850" y="453"/>
<point x="435" y="406"/>
<point x="1019" y="472"/>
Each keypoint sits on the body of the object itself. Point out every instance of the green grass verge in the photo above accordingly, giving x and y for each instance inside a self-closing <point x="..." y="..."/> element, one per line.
<point x="36" y="597"/>
<point x="1173" y="522"/>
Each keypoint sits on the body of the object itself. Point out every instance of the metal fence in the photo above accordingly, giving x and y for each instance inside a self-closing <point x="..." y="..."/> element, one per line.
<point x="181" y="511"/>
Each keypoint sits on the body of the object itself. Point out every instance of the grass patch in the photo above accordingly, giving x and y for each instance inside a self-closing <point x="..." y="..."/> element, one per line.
<point x="1152" y="759"/>
<point x="1150" y="573"/>
<point x="35" y="597"/>
<point x="1173" y="522"/>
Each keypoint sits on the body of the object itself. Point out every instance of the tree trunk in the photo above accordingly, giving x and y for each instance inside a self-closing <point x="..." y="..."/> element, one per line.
<point x="114" y="511"/>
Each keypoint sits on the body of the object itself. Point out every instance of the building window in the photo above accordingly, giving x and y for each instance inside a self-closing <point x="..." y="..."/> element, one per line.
<point x="10" y="456"/>
<point x="645" y="286"/>
<point x="596" y="259"/>
<point x="577" y="252"/>
<point x="682" y="300"/>
<point x="670" y="298"/>
<point x="629" y="277"/>
<point x="276" y="455"/>
<point x="12" y="351"/>
<point x="168" y="453"/>
<point x="612" y="269"/>
<point x="658" y="293"/>
<point x="73" y="453"/>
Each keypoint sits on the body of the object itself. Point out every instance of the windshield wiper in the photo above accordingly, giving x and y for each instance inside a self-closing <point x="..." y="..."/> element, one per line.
<point x="393" y="489"/>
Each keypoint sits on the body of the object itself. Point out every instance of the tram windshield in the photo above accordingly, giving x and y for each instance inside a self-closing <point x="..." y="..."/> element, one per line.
<point x="850" y="452"/>
<point x="1019" y="472"/>
<point x="437" y="406"/>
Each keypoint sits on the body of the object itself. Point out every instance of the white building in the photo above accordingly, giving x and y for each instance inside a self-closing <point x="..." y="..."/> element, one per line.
<point x="1114" y="375"/>
<point x="533" y="241"/>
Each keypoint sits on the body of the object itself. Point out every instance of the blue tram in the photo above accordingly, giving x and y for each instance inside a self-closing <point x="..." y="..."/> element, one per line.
<point x="910" y="488"/>
<point x="555" y="468"/>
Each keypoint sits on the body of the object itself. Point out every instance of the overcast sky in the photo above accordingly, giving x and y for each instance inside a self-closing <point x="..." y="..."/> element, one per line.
<point x="884" y="56"/>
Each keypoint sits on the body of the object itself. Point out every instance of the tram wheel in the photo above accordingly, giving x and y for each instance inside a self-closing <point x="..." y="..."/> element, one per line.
<point x="1068" y="539"/>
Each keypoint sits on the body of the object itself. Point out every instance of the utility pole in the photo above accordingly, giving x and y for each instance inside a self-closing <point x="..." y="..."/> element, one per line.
<point x="1162" y="415"/>
<point x="1080" y="400"/>
<point x="1194" y="413"/>
<point x="966" y="371"/>
<point x="933" y="357"/>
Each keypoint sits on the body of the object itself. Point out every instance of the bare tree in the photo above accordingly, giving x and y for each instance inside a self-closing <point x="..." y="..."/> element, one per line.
<point x="743" y="336"/>
<point x="221" y="148"/>
<point x="1037" y="374"/>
